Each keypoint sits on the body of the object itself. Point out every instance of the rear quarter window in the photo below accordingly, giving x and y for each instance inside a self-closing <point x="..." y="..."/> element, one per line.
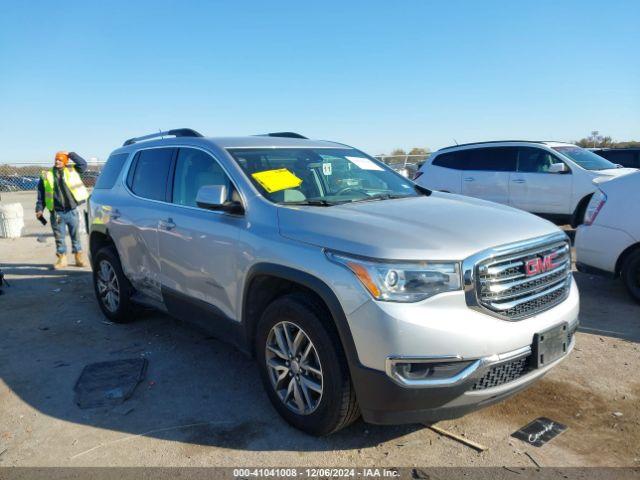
<point x="111" y="171"/>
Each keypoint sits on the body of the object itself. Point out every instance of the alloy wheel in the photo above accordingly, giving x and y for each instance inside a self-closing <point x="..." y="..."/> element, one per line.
<point x="294" y="367"/>
<point x="108" y="286"/>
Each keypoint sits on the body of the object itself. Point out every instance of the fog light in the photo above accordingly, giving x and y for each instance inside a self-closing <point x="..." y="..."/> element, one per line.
<point x="430" y="371"/>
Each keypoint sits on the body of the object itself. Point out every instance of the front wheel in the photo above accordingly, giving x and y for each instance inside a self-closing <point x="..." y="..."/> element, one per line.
<point x="631" y="275"/>
<point x="303" y="367"/>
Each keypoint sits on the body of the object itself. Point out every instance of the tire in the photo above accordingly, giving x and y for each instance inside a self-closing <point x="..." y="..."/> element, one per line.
<point x="106" y="266"/>
<point x="631" y="275"/>
<point x="335" y="406"/>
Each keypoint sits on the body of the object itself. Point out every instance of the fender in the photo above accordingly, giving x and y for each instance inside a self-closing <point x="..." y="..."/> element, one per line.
<point x="312" y="283"/>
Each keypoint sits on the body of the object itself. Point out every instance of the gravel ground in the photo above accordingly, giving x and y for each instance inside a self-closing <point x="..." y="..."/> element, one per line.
<point x="202" y="403"/>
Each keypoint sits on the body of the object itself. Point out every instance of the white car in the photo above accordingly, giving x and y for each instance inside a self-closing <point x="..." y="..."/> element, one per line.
<point x="551" y="179"/>
<point x="608" y="242"/>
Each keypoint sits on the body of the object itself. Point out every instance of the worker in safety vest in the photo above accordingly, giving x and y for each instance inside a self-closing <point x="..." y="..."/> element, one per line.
<point x="61" y="191"/>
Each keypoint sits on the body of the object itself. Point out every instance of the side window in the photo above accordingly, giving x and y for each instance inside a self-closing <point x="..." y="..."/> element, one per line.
<point x="110" y="172"/>
<point x="494" y="159"/>
<point x="535" y="160"/>
<point x="195" y="169"/>
<point x="453" y="160"/>
<point x="150" y="173"/>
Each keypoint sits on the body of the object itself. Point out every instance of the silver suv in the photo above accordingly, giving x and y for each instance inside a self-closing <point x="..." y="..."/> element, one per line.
<point x="356" y="291"/>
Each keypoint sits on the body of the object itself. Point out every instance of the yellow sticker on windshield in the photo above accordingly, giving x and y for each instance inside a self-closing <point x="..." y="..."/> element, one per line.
<point x="276" y="180"/>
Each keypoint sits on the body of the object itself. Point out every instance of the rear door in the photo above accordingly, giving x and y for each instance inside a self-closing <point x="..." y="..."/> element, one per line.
<point x="535" y="189"/>
<point x="487" y="173"/>
<point x="442" y="173"/>
<point x="134" y="222"/>
<point x="198" y="247"/>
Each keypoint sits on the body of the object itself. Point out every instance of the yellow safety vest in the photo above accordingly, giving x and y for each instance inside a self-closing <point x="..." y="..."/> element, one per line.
<point x="73" y="181"/>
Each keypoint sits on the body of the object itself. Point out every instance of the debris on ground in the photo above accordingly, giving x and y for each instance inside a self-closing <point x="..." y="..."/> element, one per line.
<point x="616" y="414"/>
<point x="532" y="459"/>
<point x="469" y="443"/>
<point x="109" y="383"/>
<point x="539" y="432"/>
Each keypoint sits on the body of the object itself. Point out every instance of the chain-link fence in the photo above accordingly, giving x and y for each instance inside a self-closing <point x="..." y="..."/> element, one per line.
<point x="17" y="177"/>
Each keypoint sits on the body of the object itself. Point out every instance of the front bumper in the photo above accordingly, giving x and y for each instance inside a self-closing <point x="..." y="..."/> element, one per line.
<point x="383" y="401"/>
<point x="445" y="327"/>
<point x="598" y="248"/>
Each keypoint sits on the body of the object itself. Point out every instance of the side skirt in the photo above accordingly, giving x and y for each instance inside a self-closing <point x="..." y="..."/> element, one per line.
<point x="205" y="316"/>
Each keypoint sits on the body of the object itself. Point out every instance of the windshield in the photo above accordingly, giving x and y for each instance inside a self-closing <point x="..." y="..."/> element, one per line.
<point x="585" y="158"/>
<point x="320" y="176"/>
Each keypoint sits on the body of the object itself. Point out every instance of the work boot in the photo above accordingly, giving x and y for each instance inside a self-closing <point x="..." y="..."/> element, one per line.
<point x="80" y="260"/>
<point x="61" y="262"/>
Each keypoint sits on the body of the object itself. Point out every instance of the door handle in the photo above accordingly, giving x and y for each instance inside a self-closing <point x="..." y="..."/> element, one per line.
<point x="469" y="179"/>
<point x="519" y="180"/>
<point x="167" y="224"/>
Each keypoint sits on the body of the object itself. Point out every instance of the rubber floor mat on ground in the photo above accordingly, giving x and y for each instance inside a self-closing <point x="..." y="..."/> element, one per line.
<point x="109" y="383"/>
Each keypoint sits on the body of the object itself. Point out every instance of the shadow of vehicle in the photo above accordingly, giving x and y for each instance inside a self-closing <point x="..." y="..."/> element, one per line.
<point x="606" y="309"/>
<point x="197" y="390"/>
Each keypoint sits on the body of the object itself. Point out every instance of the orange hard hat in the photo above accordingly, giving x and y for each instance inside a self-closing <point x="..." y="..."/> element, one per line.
<point x="63" y="157"/>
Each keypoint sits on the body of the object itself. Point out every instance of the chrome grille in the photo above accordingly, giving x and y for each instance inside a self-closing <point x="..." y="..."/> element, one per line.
<point x="503" y="373"/>
<point x="508" y="289"/>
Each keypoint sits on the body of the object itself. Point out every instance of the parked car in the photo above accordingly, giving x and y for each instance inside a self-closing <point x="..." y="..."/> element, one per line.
<point x="7" y="186"/>
<point x="355" y="290"/>
<point x="608" y="242"/>
<point x="627" y="157"/>
<point x="407" y="170"/>
<point x="550" y="179"/>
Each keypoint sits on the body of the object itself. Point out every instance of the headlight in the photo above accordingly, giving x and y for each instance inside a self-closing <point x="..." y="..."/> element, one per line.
<point x="402" y="282"/>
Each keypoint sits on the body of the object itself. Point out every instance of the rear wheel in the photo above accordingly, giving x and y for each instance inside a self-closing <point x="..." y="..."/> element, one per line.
<point x="303" y="367"/>
<point x="631" y="275"/>
<point x="113" y="290"/>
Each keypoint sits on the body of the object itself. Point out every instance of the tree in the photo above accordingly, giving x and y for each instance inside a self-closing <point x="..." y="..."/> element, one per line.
<point x="595" y="140"/>
<point x="419" y="154"/>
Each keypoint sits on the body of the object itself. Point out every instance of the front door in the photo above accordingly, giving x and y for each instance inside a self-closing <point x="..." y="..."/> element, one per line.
<point x="197" y="246"/>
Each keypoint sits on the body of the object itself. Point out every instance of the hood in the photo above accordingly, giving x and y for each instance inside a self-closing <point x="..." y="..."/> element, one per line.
<point x="436" y="227"/>
<point x="610" y="173"/>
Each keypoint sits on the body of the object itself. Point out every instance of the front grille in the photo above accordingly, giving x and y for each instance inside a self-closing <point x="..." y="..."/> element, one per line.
<point x="503" y="373"/>
<point x="508" y="289"/>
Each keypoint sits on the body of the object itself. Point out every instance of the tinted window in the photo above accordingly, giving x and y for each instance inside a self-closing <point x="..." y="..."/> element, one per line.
<point x="111" y="170"/>
<point x="152" y="167"/>
<point x="626" y="158"/>
<point x="535" y="160"/>
<point x="454" y="160"/>
<point x="499" y="159"/>
<point x="195" y="169"/>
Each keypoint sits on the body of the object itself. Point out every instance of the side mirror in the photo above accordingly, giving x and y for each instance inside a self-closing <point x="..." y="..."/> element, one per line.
<point x="558" y="168"/>
<point x="214" y="197"/>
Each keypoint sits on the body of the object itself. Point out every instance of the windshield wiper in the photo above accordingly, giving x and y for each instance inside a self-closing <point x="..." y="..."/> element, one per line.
<point x="382" y="196"/>
<point x="315" y="203"/>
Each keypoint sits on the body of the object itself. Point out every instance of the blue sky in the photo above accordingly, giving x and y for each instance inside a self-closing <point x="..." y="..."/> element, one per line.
<point x="85" y="76"/>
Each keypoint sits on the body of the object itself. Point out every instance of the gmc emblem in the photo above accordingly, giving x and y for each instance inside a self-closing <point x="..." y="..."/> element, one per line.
<point x="539" y="265"/>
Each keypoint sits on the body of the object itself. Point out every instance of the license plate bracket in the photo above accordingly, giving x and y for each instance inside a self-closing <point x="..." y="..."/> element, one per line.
<point x="550" y="345"/>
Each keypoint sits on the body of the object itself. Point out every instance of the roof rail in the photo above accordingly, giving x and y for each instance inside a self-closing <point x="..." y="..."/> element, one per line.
<point x="177" y="132"/>
<point x="283" y="134"/>
<point x="491" y="141"/>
